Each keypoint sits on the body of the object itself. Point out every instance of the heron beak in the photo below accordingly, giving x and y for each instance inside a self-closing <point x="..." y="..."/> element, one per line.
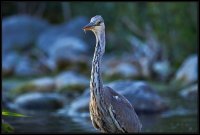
<point x="89" y="26"/>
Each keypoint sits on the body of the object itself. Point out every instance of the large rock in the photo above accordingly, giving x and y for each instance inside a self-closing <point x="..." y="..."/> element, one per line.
<point x="68" y="49"/>
<point x="14" y="63"/>
<point x="39" y="101"/>
<point x="142" y="96"/>
<point x="79" y="107"/>
<point x="188" y="72"/>
<point x="73" y="28"/>
<point x="21" y="31"/>
<point x="71" y="80"/>
<point x="28" y="67"/>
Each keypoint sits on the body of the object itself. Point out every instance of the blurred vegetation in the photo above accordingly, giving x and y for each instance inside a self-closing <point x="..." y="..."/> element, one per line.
<point x="174" y="23"/>
<point x="6" y="127"/>
<point x="7" y="113"/>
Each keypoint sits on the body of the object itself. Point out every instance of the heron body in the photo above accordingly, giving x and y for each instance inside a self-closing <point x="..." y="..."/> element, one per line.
<point x="110" y="112"/>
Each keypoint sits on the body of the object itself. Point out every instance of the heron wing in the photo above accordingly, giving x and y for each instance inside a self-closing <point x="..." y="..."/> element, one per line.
<point x="121" y="111"/>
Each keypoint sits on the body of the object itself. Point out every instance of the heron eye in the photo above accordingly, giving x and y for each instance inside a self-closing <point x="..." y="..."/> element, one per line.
<point x="98" y="23"/>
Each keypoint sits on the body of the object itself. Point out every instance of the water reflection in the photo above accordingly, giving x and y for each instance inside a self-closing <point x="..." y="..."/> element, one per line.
<point x="46" y="123"/>
<point x="52" y="123"/>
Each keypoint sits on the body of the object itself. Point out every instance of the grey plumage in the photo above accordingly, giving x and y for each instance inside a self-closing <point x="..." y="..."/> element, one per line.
<point x="110" y="112"/>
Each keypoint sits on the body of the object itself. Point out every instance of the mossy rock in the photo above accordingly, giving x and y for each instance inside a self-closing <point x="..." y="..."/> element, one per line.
<point x="41" y="84"/>
<point x="79" y="88"/>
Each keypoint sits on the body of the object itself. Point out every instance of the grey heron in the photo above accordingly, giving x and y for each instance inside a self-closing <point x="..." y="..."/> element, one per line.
<point x="110" y="112"/>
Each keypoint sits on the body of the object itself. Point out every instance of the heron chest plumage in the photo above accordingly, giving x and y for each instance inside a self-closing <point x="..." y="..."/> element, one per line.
<point x="100" y="116"/>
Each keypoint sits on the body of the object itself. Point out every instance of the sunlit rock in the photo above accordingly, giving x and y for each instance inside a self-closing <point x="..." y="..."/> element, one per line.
<point x="121" y="69"/>
<point x="45" y="84"/>
<point x="188" y="72"/>
<point x="190" y="92"/>
<point x="162" y="69"/>
<point x="71" y="80"/>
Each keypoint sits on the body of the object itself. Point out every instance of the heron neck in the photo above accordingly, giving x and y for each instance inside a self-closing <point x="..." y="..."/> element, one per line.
<point x="96" y="83"/>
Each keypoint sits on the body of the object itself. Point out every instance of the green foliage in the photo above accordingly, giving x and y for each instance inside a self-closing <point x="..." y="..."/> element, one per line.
<point x="6" y="113"/>
<point x="6" y="128"/>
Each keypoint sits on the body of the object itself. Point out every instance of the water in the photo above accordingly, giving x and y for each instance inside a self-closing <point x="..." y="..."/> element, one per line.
<point x="171" y="124"/>
<point x="46" y="123"/>
<point x="51" y="123"/>
<point x="182" y="117"/>
<point x="175" y="120"/>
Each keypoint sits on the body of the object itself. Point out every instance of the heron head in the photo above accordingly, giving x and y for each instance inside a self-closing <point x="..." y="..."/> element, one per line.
<point x="96" y="24"/>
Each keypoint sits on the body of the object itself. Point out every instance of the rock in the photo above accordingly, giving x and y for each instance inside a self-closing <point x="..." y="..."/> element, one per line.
<point x="142" y="96"/>
<point x="65" y="44"/>
<point x="162" y="69"/>
<point x="27" y="67"/>
<point x="123" y="69"/>
<point x="190" y="92"/>
<point x="68" y="49"/>
<point x="79" y="108"/>
<point x="119" y="85"/>
<point x="179" y="112"/>
<point x="46" y="64"/>
<point x="20" y="31"/>
<point x="8" y="63"/>
<point x="45" y="84"/>
<point x="73" y="28"/>
<point x="39" y="101"/>
<point x="71" y="80"/>
<point x="188" y="72"/>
